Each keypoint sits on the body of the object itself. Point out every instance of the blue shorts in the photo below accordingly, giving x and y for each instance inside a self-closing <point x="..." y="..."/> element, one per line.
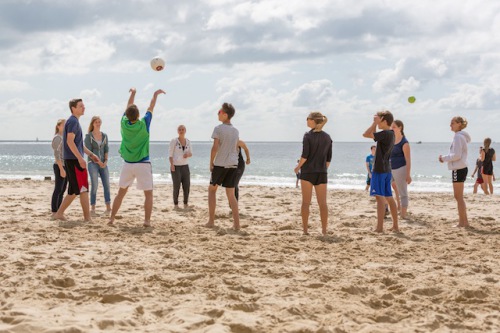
<point x="381" y="184"/>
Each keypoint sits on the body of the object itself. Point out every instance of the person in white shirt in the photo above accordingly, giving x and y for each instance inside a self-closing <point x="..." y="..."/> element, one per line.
<point x="180" y="150"/>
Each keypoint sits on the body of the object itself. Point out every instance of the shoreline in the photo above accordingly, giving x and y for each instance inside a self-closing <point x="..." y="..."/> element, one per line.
<point x="441" y="187"/>
<point x="182" y="277"/>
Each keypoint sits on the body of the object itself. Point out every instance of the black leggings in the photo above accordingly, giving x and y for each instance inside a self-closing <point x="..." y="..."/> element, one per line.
<point x="181" y="176"/>
<point x="59" y="188"/>
<point x="239" y="174"/>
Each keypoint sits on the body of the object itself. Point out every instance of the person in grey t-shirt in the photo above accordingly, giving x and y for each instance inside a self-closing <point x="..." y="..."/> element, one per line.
<point x="223" y="164"/>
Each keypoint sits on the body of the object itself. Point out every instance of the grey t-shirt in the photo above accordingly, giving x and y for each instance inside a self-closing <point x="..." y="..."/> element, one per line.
<point x="227" y="155"/>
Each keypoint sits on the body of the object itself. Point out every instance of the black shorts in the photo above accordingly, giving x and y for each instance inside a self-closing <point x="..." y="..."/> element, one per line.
<point x="78" y="179"/>
<point x="315" y="178"/>
<point x="223" y="176"/>
<point x="487" y="170"/>
<point x="460" y="175"/>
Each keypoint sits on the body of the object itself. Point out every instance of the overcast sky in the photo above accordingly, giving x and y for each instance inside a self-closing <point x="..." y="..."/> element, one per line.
<point x="274" y="60"/>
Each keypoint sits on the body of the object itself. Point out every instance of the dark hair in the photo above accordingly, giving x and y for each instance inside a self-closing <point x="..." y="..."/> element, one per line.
<point x="228" y="109"/>
<point x="132" y="113"/>
<point x="400" y="124"/>
<point x="387" y="116"/>
<point x="73" y="103"/>
<point x="373" y="147"/>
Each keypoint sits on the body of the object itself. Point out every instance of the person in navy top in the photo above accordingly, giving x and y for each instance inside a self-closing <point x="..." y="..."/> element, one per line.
<point x="401" y="166"/>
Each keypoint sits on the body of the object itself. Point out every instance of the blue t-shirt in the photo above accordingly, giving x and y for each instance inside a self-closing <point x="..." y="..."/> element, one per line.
<point x="398" y="159"/>
<point x="369" y="160"/>
<point x="72" y="126"/>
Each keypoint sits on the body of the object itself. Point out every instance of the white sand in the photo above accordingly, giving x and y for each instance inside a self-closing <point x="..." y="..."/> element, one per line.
<point x="181" y="277"/>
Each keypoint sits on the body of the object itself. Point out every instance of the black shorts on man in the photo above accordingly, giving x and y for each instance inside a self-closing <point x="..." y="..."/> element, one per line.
<point x="223" y="176"/>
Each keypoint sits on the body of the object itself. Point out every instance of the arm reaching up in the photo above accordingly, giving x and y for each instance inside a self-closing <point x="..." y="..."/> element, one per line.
<point x="132" y="97"/>
<point x="153" y="100"/>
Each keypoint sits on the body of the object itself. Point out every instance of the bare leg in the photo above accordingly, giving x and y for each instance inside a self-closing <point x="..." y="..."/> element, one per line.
<point x="475" y="188"/>
<point x="396" y="194"/>
<point x="321" y="195"/>
<point x="212" y="196"/>
<point x="381" y="201"/>
<point x="394" y="213"/>
<point x="483" y="187"/>
<point x="68" y="199"/>
<point x="84" y="201"/>
<point x="148" y="207"/>
<point x="458" y="192"/>
<point x="117" y="203"/>
<point x="487" y="187"/>
<point x="233" y="203"/>
<point x="306" y="202"/>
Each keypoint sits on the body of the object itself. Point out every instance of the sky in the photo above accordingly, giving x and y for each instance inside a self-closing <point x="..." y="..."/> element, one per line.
<point x="274" y="60"/>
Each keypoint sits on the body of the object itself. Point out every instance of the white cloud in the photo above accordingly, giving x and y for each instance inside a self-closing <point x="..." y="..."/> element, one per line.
<point x="13" y="86"/>
<point x="274" y="61"/>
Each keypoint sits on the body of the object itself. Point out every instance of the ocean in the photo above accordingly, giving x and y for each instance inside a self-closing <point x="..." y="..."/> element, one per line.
<point x="272" y="163"/>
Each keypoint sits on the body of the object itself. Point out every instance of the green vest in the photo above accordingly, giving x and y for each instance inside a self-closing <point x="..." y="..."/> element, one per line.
<point x="135" y="140"/>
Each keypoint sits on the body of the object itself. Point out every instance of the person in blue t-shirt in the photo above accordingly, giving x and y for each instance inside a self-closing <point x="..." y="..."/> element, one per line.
<point x="75" y="164"/>
<point x="369" y="167"/>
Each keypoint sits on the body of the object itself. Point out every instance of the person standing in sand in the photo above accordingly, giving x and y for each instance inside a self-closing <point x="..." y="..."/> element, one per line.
<point x="224" y="165"/>
<point x="457" y="163"/>
<point x="179" y="151"/>
<point x="479" y="170"/>
<point x="381" y="174"/>
<point x="488" y="156"/>
<point x="134" y="150"/>
<point x="401" y="166"/>
<point x="59" y="172"/>
<point x="97" y="142"/>
<point x="313" y="167"/>
<point x="76" y="167"/>
<point x="369" y="166"/>
<point x="241" y="166"/>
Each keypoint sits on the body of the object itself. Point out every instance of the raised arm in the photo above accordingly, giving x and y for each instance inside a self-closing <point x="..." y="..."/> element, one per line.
<point x="131" y="97"/>
<point x="153" y="100"/>
<point x="373" y="128"/>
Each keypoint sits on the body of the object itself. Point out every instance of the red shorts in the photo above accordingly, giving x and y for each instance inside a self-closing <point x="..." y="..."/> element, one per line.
<point x="479" y="181"/>
<point x="78" y="179"/>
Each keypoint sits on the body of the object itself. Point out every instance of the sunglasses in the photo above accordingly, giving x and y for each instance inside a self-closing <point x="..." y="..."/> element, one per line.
<point x="220" y="112"/>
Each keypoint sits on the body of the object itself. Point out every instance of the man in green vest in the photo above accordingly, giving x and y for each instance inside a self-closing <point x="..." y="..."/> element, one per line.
<point x="134" y="150"/>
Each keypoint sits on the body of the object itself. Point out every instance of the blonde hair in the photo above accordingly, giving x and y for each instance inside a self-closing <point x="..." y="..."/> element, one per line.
<point x="319" y="119"/>
<point x="487" y="144"/>
<point x="461" y="120"/>
<point x="91" y="125"/>
<point x="59" y="122"/>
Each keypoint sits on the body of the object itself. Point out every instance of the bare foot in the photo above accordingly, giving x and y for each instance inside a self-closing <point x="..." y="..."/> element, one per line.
<point x="146" y="224"/>
<point x="379" y="230"/>
<point x="209" y="225"/>
<point x="59" y="217"/>
<point x="394" y="229"/>
<point x="305" y="233"/>
<point x="111" y="221"/>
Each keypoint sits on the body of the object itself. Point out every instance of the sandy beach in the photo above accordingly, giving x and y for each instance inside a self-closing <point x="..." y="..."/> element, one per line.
<point x="181" y="277"/>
